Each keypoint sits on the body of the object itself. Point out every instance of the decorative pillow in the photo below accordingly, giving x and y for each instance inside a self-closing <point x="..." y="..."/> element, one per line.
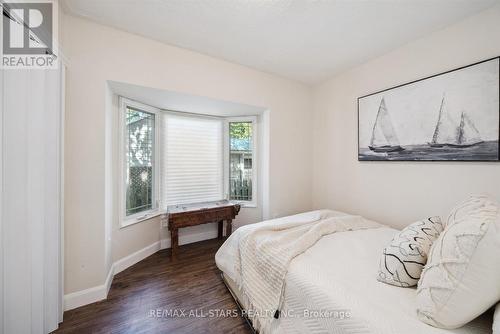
<point x="496" y="320"/>
<point x="405" y="257"/>
<point x="462" y="277"/>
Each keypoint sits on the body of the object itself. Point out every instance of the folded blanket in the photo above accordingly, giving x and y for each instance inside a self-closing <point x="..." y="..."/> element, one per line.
<point x="266" y="250"/>
<point x="228" y="255"/>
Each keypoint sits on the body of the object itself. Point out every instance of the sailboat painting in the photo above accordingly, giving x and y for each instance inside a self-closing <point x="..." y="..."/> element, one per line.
<point x="453" y="116"/>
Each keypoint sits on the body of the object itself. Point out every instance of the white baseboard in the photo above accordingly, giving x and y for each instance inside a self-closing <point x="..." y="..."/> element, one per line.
<point x="133" y="258"/>
<point x="88" y="296"/>
<point x="109" y="279"/>
<point x="97" y="293"/>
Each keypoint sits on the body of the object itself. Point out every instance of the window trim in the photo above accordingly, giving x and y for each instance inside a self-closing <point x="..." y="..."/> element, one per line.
<point x="125" y="220"/>
<point x="255" y="161"/>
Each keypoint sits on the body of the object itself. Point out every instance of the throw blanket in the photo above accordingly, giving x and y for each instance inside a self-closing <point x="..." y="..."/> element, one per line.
<point x="266" y="250"/>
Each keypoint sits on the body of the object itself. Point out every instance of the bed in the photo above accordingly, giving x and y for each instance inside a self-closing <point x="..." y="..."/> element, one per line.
<point x="332" y="288"/>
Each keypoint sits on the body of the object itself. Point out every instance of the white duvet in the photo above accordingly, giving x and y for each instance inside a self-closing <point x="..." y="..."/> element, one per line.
<point x="261" y="278"/>
<point x="332" y="287"/>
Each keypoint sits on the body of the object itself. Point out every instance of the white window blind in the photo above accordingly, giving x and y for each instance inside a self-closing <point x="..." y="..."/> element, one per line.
<point x="192" y="159"/>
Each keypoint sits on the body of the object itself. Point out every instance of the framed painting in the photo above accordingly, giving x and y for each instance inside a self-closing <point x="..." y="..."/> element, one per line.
<point x="451" y="116"/>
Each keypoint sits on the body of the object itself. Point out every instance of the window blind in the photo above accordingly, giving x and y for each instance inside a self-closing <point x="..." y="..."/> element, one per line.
<point x="192" y="159"/>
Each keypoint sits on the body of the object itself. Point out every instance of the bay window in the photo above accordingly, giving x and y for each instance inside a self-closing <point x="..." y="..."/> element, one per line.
<point x="175" y="158"/>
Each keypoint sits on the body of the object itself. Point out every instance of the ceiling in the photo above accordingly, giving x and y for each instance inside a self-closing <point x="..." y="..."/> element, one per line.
<point x="304" y="40"/>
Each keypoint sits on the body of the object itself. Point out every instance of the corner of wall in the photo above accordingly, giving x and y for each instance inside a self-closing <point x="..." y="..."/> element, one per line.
<point x="109" y="171"/>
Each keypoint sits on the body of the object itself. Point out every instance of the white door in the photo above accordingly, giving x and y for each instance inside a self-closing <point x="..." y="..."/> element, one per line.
<point x="31" y="201"/>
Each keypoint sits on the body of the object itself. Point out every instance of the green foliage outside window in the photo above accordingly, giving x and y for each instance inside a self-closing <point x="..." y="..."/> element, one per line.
<point x="240" y="163"/>
<point x="240" y="130"/>
<point x="140" y="127"/>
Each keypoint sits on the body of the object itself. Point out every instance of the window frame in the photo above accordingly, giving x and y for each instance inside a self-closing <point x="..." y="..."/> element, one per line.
<point x="255" y="161"/>
<point x="125" y="220"/>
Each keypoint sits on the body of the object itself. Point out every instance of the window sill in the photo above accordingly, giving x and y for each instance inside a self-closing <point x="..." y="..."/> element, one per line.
<point x="248" y="205"/>
<point x="140" y="218"/>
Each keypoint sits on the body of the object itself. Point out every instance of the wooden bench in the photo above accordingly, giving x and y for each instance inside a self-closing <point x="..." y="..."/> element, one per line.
<point x="180" y="216"/>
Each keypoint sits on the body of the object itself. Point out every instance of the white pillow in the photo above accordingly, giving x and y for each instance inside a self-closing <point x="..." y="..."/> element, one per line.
<point x="403" y="260"/>
<point x="462" y="277"/>
<point x="496" y="320"/>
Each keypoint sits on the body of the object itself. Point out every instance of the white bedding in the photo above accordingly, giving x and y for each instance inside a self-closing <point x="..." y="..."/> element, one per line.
<point x="338" y="273"/>
<point x="262" y="278"/>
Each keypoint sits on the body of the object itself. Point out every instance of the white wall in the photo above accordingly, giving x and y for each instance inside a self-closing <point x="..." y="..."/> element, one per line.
<point x="398" y="193"/>
<point x="97" y="53"/>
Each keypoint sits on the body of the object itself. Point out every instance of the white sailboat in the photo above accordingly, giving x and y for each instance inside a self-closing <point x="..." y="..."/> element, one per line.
<point x="447" y="133"/>
<point x="384" y="138"/>
<point x="467" y="133"/>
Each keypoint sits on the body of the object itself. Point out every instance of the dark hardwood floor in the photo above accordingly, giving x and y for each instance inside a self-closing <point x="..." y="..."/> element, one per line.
<point x="158" y="284"/>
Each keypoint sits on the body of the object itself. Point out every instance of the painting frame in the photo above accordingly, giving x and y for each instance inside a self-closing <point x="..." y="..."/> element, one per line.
<point x="365" y="158"/>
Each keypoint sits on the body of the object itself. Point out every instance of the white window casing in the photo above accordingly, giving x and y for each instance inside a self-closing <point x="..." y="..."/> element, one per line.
<point x="255" y="162"/>
<point x="125" y="219"/>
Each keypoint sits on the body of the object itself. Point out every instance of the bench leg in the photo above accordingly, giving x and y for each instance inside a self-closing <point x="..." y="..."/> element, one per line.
<point x="174" y="241"/>
<point x="229" y="227"/>
<point x="220" y="228"/>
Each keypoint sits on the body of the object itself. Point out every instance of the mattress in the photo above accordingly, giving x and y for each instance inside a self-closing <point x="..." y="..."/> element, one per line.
<point x="332" y="288"/>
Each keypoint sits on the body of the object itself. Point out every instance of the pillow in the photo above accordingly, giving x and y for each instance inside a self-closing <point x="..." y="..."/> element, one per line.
<point x="462" y="277"/>
<point x="496" y="320"/>
<point x="403" y="260"/>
